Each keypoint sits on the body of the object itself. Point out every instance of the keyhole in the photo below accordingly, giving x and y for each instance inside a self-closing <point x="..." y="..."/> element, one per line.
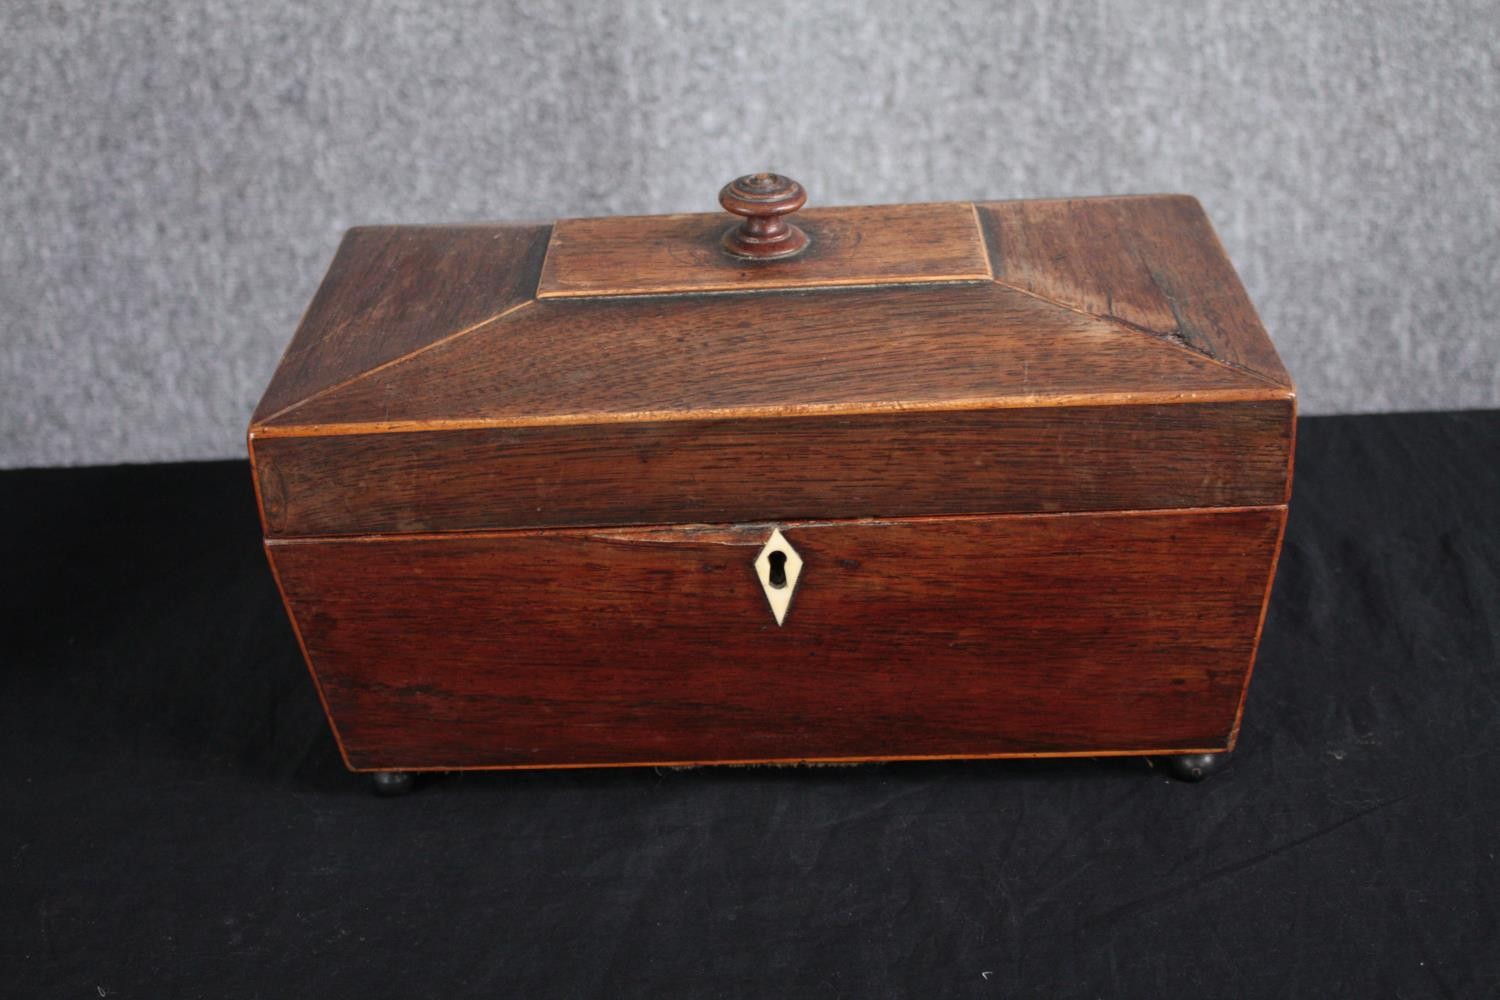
<point x="778" y="569"/>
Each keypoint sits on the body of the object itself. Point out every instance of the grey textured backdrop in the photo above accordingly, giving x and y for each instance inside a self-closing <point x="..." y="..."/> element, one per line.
<point x="174" y="176"/>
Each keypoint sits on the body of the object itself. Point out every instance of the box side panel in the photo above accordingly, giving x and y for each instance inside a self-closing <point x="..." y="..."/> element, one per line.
<point x="968" y="637"/>
<point x="1153" y="262"/>
<point x="883" y="464"/>
<point x="395" y="290"/>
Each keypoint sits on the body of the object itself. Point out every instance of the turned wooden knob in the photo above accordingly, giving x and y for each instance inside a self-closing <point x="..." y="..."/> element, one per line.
<point x="764" y="200"/>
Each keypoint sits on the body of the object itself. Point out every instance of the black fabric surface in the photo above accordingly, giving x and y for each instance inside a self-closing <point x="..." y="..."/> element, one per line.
<point x="175" y="821"/>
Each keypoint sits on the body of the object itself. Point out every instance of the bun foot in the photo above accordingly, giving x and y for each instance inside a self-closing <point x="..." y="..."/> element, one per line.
<point x="388" y="783"/>
<point x="1194" y="766"/>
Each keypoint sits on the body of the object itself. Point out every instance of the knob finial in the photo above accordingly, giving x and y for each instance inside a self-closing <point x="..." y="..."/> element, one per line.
<point x="763" y="200"/>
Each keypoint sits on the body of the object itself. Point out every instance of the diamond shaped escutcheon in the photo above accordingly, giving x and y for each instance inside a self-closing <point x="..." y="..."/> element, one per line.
<point x="778" y="566"/>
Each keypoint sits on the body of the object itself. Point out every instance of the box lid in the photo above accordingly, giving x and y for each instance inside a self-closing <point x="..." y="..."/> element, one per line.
<point x="1080" y="354"/>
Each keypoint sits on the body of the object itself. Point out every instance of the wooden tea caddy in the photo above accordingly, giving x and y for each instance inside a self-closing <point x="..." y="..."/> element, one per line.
<point x="1000" y="479"/>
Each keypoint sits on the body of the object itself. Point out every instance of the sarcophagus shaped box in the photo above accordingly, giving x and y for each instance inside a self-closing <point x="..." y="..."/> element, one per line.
<point x="870" y="483"/>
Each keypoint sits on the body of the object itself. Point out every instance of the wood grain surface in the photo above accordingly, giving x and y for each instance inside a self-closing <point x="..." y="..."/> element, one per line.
<point x="1095" y="272"/>
<point x="766" y="354"/>
<point x="930" y="637"/>
<point x="392" y="290"/>
<point x="879" y="464"/>
<point x="861" y="245"/>
<point x="1153" y="262"/>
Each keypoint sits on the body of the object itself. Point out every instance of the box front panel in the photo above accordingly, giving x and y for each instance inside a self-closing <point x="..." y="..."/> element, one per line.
<point x="941" y="636"/>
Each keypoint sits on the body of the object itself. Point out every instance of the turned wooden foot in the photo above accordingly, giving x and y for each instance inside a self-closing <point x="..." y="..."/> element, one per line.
<point x="391" y="782"/>
<point x="1194" y="766"/>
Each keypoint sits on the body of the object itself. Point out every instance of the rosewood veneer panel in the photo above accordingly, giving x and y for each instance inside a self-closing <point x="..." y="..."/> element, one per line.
<point x="770" y="352"/>
<point x="1153" y="261"/>
<point x="878" y="464"/>
<point x="393" y="290"/>
<point x="934" y="637"/>
<point x="865" y="245"/>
